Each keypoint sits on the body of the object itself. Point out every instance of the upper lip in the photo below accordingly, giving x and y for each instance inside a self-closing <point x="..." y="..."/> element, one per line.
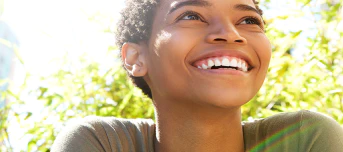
<point x="219" y="53"/>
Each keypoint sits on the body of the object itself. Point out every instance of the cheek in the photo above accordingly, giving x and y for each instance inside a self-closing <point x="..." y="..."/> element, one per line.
<point x="266" y="52"/>
<point x="263" y="50"/>
<point x="175" y="44"/>
<point x="262" y="47"/>
<point x="166" y="59"/>
<point x="161" y="39"/>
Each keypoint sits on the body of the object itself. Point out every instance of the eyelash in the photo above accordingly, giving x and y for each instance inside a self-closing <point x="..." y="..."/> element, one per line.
<point x="192" y="13"/>
<point x="254" y="19"/>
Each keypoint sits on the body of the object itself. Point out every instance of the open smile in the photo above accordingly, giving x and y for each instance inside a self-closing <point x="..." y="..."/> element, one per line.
<point x="223" y="62"/>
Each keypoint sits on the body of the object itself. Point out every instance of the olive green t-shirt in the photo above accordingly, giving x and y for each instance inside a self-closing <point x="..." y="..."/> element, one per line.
<point x="302" y="131"/>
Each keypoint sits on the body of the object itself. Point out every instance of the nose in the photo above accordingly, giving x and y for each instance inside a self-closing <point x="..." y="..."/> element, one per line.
<point x="225" y="34"/>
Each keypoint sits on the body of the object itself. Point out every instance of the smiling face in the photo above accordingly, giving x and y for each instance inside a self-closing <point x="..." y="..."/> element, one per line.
<point x="211" y="52"/>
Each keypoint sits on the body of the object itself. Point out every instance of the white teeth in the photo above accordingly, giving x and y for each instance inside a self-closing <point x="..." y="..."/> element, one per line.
<point x="225" y="62"/>
<point x="204" y="66"/>
<point x="217" y="62"/>
<point x="233" y="63"/>
<point x="210" y="63"/>
<point x="244" y="67"/>
<point x="239" y="64"/>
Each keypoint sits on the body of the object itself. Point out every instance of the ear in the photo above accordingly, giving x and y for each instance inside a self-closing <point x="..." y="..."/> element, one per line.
<point x="133" y="59"/>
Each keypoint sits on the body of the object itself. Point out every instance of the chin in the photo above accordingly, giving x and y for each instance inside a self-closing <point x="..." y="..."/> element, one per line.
<point x="226" y="100"/>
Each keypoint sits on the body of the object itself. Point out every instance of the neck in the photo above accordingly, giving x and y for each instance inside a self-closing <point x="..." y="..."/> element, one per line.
<point x="197" y="128"/>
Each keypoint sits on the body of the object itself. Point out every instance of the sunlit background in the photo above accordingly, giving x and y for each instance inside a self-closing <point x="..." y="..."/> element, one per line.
<point x="40" y="38"/>
<point x="45" y="31"/>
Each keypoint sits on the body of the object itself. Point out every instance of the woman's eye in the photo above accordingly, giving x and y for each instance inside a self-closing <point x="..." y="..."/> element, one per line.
<point x="251" y="20"/>
<point x="190" y="16"/>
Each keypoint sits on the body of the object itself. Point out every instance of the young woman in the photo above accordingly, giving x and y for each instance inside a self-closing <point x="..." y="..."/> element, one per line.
<point x="199" y="61"/>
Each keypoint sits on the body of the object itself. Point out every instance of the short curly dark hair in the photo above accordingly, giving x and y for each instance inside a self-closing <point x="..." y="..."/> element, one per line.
<point x="135" y="26"/>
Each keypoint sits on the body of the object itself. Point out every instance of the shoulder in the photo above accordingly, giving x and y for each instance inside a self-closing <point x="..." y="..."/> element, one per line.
<point x="321" y="132"/>
<point x="303" y="130"/>
<point x="299" y="118"/>
<point x="105" y="134"/>
<point x="313" y="122"/>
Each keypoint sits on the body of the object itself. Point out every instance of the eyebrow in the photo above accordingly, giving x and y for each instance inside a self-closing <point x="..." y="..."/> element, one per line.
<point x="203" y="3"/>
<point x="200" y="3"/>
<point x="244" y="7"/>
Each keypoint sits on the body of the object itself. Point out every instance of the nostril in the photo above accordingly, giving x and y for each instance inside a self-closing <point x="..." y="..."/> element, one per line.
<point x="219" y="39"/>
<point x="239" y="41"/>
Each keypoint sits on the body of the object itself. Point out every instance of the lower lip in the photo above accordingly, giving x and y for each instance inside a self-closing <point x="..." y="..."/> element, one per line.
<point x="223" y="71"/>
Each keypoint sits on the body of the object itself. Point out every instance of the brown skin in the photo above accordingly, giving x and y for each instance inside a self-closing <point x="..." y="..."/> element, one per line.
<point x="198" y="110"/>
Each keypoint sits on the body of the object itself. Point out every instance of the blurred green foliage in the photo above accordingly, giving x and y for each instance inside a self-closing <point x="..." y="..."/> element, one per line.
<point x="313" y="82"/>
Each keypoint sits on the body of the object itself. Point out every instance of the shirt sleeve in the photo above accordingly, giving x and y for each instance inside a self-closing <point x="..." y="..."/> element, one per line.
<point x="302" y="131"/>
<point x="100" y="134"/>
<point x="82" y="136"/>
<point x="320" y="133"/>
